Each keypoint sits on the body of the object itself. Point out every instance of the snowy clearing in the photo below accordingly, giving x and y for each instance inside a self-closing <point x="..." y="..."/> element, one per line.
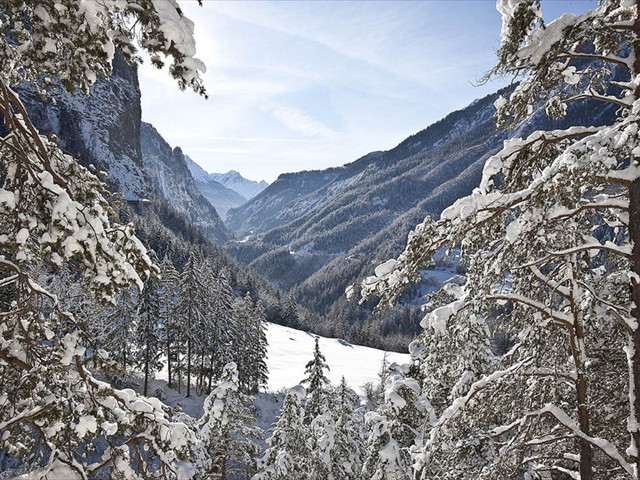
<point x="290" y="349"/>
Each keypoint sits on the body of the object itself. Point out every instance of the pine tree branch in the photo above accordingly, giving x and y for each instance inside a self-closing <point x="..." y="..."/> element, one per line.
<point x="625" y="62"/>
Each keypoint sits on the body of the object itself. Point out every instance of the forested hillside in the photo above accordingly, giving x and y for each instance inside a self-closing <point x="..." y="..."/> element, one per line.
<point x="321" y="231"/>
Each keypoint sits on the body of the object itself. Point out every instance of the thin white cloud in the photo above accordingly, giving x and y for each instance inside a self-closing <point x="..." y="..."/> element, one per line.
<point x="231" y="150"/>
<point x="300" y="122"/>
<point x="304" y="85"/>
<point x="259" y="140"/>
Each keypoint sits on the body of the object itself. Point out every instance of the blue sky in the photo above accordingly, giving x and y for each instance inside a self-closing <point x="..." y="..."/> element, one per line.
<point x="305" y="85"/>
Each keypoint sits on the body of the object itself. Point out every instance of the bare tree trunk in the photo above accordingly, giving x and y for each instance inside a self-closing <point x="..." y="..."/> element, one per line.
<point x="189" y="365"/>
<point x="146" y="371"/>
<point x="586" y="467"/>
<point x="579" y="354"/>
<point x="633" y="349"/>
<point x="633" y="352"/>
<point x="178" y="370"/>
<point x="169" y="363"/>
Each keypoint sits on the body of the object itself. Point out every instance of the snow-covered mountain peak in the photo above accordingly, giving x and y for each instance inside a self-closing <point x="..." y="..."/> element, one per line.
<point x="235" y="181"/>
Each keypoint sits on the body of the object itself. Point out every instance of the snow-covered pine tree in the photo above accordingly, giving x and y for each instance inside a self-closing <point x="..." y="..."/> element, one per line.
<point x="119" y="332"/>
<point x="553" y="232"/>
<point x="451" y="353"/>
<point x="393" y="428"/>
<point x="219" y="327"/>
<point x="383" y="375"/>
<point x="192" y="308"/>
<point x="148" y="340"/>
<point x="321" y="442"/>
<point x="318" y="385"/>
<point x="287" y="454"/>
<point x="227" y="434"/>
<point x="348" y="449"/>
<point x="258" y="345"/>
<point x="242" y="342"/>
<point x="168" y="292"/>
<point x="55" y="212"/>
<point x="250" y="345"/>
<point x="80" y="302"/>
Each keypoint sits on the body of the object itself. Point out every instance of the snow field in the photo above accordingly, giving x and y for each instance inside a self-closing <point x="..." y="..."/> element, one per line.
<point x="289" y="351"/>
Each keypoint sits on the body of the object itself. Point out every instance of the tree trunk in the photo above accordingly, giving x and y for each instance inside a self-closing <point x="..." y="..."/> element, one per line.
<point x="634" y="333"/>
<point x="189" y="353"/>
<point x="210" y="379"/>
<point x="146" y="371"/>
<point x="633" y="352"/>
<point x="188" y="366"/>
<point x="586" y="467"/>
<point x="169" y="356"/>
<point x="178" y="370"/>
<point x="200" y="384"/>
<point x="579" y="354"/>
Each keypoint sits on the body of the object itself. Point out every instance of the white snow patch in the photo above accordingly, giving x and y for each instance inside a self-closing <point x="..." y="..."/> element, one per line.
<point x="290" y="349"/>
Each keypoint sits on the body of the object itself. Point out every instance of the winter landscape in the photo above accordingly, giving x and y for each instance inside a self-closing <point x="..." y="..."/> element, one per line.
<point x="320" y="240"/>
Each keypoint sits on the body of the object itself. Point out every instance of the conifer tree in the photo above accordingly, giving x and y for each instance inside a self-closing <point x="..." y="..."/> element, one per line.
<point x="250" y="345"/>
<point x="168" y="292"/>
<point x="393" y="429"/>
<point x="218" y="327"/>
<point x="318" y="385"/>
<point x="192" y="308"/>
<point x="226" y="430"/>
<point x="288" y="452"/>
<point x="120" y="324"/>
<point x="148" y="339"/>
<point x="347" y="453"/>
<point x="258" y="350"/>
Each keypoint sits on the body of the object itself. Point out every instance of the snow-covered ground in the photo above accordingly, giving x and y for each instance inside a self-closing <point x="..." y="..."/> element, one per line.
<point x="290" y="350"/>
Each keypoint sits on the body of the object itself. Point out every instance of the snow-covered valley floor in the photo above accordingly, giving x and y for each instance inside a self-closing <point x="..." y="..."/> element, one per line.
<point x="288" y="352"/>
<point x="290" y="349"/>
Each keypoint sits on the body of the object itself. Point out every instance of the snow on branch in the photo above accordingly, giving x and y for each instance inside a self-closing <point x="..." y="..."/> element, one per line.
<point x="64" y="211"/>
<point x="558" y="317"/>
<point x="571" y="425"/>
<point x="459" y="403"/>
<point x="622" y="250"/>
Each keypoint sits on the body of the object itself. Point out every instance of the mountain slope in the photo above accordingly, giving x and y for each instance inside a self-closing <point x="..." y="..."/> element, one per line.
<point x="104" y="129"/>
<point x="374" y="188"/>
<point x="266" y="210"/>
<point x="221" y="197"/>
<point x="168" y="171"/>
<point x="331" y="231"/>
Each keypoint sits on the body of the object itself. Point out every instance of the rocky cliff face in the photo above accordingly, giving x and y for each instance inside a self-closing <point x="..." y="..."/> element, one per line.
<point x="101" y="129"/>
<point x="104" y="129"/>
<point x="168" y="171"/>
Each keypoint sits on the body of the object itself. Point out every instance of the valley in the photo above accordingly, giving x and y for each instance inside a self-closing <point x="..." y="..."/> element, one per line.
<point x="458" y="304"/>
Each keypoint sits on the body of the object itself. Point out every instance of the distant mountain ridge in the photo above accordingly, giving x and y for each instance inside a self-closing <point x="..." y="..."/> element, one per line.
<point x="236" y="182"/>
<point x="221" y="197"/>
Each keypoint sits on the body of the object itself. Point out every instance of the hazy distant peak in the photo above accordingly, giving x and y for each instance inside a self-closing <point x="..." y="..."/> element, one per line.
<point x="235" y="181"/>
<point x="197" y="172"/>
